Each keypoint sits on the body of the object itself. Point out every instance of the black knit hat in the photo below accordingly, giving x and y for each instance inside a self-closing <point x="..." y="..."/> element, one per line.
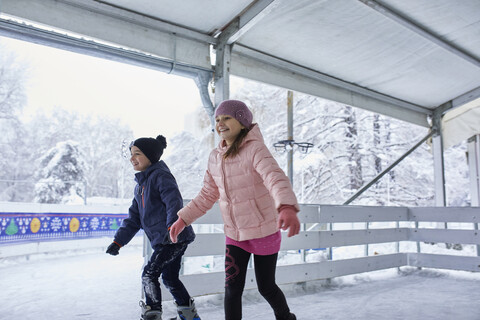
<point x="152" y="148"/>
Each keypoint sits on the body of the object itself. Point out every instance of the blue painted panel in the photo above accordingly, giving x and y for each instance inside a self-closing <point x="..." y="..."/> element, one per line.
<point x="24" y="226"/>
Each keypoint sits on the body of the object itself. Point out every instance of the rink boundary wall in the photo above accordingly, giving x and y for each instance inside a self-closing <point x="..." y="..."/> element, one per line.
<point x="320" y="221"/>
<point x="325" y="217"/>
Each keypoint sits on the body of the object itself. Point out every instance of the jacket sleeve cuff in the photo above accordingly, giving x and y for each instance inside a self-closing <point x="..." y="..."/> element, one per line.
<point x="118" y="244"/>
<point x="293" y="207"/>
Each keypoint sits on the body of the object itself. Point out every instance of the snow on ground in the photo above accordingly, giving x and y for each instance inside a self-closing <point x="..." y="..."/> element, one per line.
<point x="92" y="285"/>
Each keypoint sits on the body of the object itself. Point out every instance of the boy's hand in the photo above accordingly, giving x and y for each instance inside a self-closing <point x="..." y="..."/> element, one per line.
<point x="288" y="220"/>
<point x="176" y="228"/>
<point x="113" y="248"/>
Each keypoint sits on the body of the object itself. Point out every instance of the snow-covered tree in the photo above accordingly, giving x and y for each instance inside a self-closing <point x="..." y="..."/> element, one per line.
<point x="61" y="175"/>
<point x="99" y="138"/>
<point x="14" y="166"/>
<point x="187" y="159"/>
<point x="108" y="173"/>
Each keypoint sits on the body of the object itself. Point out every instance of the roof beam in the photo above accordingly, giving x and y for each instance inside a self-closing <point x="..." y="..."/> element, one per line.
<point x="247" y="20"/>
<point x="112" y="25"/>
<point x="466" y="98"/>
<point x="389" y="13"/>
<point x="457" y="102"/>
<point x="32" y="34"/>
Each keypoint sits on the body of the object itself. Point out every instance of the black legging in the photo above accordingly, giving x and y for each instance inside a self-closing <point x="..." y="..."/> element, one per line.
<point x="236" y="262"/>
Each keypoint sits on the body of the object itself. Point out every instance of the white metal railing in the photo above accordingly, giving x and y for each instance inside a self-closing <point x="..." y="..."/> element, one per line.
<point x="318" y="215"/>
<point x="348" y="228"/>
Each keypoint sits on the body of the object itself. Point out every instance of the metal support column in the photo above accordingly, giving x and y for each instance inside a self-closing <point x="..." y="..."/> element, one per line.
<point x="290" y="152"/>
<point x="474" y="170"/>
<point x="222" y="73"/>
<point x="438" y="161"/>
<point x="439" y="171"/>
<point x="221" y="80"/>
<point x="439" y="166"/>
<point x="290" y="134"/>
<point x="223" y="51"/>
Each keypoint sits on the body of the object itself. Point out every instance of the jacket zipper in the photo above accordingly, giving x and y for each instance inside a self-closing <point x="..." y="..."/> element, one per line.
<point x="143" y="199"/>
<point x="230" y="209"/>
<point x="225" y="179"/>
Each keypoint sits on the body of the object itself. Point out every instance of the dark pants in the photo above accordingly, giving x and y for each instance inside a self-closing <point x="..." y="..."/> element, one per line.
<point x="236" y="262"/>
<point x="165" y="261"/>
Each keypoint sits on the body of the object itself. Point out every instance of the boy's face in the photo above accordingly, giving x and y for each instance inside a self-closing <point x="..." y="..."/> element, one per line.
<point x="138" y="159"/>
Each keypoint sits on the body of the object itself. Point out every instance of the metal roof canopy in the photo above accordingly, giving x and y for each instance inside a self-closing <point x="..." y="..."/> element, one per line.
<point x="398" y="58"/>
<point x="409" y="59"/>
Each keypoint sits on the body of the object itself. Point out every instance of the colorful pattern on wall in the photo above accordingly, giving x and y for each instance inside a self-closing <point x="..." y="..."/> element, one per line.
<point x="18" y="226"/>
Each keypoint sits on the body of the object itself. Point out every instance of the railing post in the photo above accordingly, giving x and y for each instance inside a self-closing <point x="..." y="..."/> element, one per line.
<point x="366" y="246"/>
<point x="330" y="251"/>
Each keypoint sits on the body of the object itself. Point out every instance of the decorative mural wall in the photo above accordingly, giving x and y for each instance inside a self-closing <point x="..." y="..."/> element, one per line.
<point x="19" y="226"/>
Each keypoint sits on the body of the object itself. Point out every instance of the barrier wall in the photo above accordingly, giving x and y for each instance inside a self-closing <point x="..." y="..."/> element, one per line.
<point x="40" y="222"/>
<point x="414" y="225"/>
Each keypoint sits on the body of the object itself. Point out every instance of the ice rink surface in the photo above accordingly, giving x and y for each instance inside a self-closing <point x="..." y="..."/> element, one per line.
<point x="94" y="285"/>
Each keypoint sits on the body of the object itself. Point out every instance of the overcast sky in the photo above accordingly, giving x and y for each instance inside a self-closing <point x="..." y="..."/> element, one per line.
<point x="150" y="101"/>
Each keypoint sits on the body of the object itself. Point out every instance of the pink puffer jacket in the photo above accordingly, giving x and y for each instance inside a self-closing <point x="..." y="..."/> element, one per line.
<point x="250" y="188"/>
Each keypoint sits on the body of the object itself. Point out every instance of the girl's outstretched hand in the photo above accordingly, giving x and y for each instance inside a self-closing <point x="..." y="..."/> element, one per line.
<point x="288" y="220"/>
<point x="176" y="228"/>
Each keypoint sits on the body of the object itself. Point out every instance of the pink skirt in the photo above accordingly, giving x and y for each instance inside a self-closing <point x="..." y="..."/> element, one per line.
<point x="262" y="246"/>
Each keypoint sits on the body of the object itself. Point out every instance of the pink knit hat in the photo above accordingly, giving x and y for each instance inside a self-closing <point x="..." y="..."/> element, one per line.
<point x="236" y="109"/>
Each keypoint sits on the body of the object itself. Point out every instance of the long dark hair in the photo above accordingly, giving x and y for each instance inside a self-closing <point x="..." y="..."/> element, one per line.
<point x="234" y="148"/>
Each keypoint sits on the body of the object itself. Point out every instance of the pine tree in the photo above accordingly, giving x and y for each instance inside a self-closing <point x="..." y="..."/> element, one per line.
<point x="61" y="177"/>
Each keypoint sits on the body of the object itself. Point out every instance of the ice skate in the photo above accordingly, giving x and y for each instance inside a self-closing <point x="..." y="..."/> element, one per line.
<point x="148" y="313"/>
<point x="187" y="312"/>
<point x="291" y="316"/>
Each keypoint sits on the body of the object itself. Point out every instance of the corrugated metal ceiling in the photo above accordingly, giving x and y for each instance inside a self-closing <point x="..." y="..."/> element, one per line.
<point x="411" y="55"/>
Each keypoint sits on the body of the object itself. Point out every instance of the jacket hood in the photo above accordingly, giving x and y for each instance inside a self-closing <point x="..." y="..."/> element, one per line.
<point x="253" y="135"/>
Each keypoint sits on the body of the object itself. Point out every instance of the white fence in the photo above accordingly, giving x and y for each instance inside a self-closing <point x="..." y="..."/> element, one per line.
<point x="326" y="226"/>
<point x="329" y="216"/>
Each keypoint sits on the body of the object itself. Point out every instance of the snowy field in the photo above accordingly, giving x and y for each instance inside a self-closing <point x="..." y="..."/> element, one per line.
<point x="90" y="284"/>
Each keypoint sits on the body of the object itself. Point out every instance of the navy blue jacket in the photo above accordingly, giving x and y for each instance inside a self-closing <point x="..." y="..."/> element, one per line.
<point x="154" y="207"/>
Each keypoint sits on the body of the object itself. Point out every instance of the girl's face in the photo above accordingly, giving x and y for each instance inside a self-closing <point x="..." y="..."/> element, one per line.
<point x="228" y="128"/>
<point x="138" y="159"/>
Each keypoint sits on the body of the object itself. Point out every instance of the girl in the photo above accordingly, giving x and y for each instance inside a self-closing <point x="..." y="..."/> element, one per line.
<point x="154" y="208"/>
<point x="256" y="200"/>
